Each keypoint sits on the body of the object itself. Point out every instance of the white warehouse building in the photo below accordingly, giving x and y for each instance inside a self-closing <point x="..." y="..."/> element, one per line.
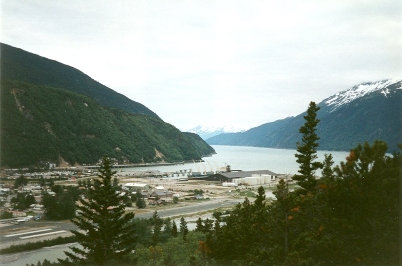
<point x="251" y="178"/>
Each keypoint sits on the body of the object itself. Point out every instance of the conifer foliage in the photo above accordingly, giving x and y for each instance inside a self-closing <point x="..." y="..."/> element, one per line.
<point x="307" y="149"/>
<point x="105" y="232"/>
<point x="350" y="216"/>
<point x="183" y="227"/>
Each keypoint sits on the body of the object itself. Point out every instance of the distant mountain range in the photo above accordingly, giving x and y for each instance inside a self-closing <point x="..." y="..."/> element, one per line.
<point x="365" y="112"/>
<point x="209" y="132"/>
<point x="51" y="112"/>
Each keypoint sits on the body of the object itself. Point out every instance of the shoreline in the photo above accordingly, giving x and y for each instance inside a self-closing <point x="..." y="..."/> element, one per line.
<point x="118" y="166"/>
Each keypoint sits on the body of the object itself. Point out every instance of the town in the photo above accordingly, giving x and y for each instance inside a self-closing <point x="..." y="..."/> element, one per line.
<point x="47" y="195"/>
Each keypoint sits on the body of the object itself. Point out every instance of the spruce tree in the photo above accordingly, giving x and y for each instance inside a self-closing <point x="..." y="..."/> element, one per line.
<point x="259" y="201"/>
<point x="217" y="215"/>
<point x="282" y="206"/>
<point x="307" y="150"/>
<point x="174" y="229"/>
<point x="208" y="225"/>
<point x="199" y="226"/>
<point x="140" y="202"/>
<point x="327" y="171"/>
<point x="183" y="227"/>
<point x="105" y="231"/>
<point x="167" y="228"/>
<point x="21" y="181"/>
<point x="157" y="222"/>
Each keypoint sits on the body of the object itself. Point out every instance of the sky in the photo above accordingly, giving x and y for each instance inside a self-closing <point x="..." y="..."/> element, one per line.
<point x="233" y="64"/>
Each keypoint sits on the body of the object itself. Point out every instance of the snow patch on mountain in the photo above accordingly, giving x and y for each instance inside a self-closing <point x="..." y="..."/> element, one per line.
<point x="359" y="91"/>
<point x="206" y="132"/>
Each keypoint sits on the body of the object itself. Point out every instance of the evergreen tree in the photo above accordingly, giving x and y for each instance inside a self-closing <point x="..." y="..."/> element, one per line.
<point x="116" y="184"/>
<point x="208" y="224"/>
<point x="368" y="198"/>
<point x="259" y="201"/>
<point x="22" y="201"/>
<point x="199" y="226"/>
<point x="327" y="171"/>
<point x="42" y="182"/>
<point x="157" y="223"/>
<point x="174" y="229"/>
<point x="21" y="181"/>
<point x="217" y="215"/>
<point x="183" y="227"/>
<point x="140" y="202"/>
<point x="307" y="150"/>
<point x="217" y="226"/>
<point x="245" y="234"/>
<point x="282" y="206"/>
<point x="51" y="183"/>
<point x="167" y="228"/>
<point x="105" y="231"/>
<point x="175" y="200"/>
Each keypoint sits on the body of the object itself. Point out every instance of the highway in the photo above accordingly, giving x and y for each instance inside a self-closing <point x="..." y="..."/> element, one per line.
<point x="30" y="231"/>
<point x="193" y="208"/>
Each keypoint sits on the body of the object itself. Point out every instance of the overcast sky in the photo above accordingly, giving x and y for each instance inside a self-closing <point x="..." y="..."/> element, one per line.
<point x="215" y="63"/>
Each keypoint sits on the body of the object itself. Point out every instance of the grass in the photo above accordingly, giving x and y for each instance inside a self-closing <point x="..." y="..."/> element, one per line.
<point x="221" y="209"/>
<point x="247" y="193"/>
<point x="39" y="244"/>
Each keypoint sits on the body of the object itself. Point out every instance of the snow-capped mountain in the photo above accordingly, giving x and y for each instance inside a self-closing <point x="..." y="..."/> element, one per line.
<point x="360" y="90"/>
<point x="206" y="132"/>
<point x="366" y="112"/>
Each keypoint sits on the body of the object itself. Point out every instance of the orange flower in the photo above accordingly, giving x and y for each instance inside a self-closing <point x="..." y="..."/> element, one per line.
<point x="351" y="156"/>
<point x="296" y="209"/>
<point x="203" y="247"/>
<point x="323" y="186"/>
<point x="321" y="228"/>
<point x="290" y="217"/>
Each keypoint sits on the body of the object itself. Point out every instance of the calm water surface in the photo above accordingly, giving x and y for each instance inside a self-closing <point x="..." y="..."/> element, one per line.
<point x="281" y="161"/>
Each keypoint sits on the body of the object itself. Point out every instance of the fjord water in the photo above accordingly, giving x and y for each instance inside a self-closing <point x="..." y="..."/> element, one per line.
<point x="280" y="161"/>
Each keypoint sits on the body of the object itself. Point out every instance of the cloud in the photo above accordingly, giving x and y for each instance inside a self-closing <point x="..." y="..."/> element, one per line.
<point x="216" y="63"/>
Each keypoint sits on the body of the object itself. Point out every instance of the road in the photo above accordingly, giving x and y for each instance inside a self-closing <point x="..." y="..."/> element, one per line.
<point x="193" y="208"/>
<point x="32" y="231"/>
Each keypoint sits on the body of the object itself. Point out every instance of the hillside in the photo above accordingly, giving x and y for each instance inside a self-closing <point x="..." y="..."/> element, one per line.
<point x="43" y="124"/>
<point x="366" y="112"/>
<point x="17" y="64"/>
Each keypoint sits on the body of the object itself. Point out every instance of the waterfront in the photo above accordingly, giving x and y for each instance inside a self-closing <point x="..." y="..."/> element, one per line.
<point x="280" y="161"/>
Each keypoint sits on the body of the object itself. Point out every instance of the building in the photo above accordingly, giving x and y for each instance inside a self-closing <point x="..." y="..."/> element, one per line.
<point x="258" y="177"/>
<point x="135" y="186"/>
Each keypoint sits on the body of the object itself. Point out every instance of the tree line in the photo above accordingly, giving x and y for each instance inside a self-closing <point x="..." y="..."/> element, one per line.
<point x="350" y="216"/>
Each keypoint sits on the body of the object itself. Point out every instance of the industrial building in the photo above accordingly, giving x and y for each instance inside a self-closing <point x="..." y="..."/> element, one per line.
<point x="251" y="178"/>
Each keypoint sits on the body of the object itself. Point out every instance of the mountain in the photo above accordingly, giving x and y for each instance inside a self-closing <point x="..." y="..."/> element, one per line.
<point x="365" y="112"/>
<point x="17" y="64"/>
<point x="208" y="132"/>
<point x="42" y="123"/>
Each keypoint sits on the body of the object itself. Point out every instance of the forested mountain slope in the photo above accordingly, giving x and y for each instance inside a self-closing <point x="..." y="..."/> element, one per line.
<point x="17" y="64"/>
<point x="365" y="112"/>
<point x="43" y="124"/>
